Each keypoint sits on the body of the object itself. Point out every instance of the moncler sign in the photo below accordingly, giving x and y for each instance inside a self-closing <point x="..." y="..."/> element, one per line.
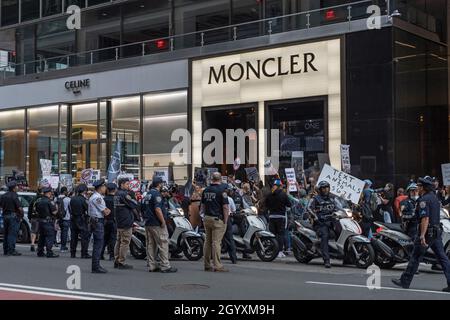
<point x="263" y="68"/>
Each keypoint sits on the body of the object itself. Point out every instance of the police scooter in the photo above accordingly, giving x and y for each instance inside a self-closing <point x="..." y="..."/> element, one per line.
<point x="256" y="238"/>
<point x="346" y="241"/>
<point x="183" y="239"/>
<point x="392" y="245"/>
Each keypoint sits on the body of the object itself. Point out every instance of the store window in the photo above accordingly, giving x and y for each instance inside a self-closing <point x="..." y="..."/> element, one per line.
<point x="126" y="130"/>
<point x="163" y="113"/>
<point x="12" y="143"/>
<point x="10" y="12"/>
<point x="79" y="3"/>
<point x="42" y="141"/>
<point x="51" y="7"/>
<point x="246" y="11"/>
<point x="30" y="10"/>
<point x="96" y="2"/>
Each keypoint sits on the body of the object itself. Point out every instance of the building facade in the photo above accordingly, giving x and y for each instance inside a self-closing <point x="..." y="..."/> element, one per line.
<point x="138" y="70"/>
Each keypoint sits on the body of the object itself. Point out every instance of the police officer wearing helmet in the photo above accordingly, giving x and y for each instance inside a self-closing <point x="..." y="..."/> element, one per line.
<point x="12" y="213"/>
<point x="110" y="222"/>
<point x="46" y="211"/>
<point x="408" y="211"/>
<point x="97" y="213"/>
<point x="322" y="206"/>
<point x="78" y="222"/>
<point x="156" y="233"/>
<point x="430" y="235"/>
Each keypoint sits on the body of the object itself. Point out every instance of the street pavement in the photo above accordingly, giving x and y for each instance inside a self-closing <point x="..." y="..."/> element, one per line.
<point x="30" y="277"/>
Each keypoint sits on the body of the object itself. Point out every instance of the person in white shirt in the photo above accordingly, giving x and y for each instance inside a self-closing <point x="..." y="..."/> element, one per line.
<point x="228" y="236"/>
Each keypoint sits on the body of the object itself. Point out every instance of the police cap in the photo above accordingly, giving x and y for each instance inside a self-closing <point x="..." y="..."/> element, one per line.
<point x="97" y="184"/>
<point x="426" y="181"/>
<point x="81" y="188"/>
<point x="46" y="190"/>
<point x="11" y="185"/>
<point x="111" y="186"/>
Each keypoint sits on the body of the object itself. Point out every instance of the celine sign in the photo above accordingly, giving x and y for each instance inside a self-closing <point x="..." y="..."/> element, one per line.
<point x="268" y="68"/>
<point x="77" y="85"/>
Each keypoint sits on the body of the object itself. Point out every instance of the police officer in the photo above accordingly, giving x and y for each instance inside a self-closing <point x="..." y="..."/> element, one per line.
<point x="408" y="211"/>
<point x="156" y="233"/>
<point x="214" y="205"/>
<point x="430" y="235"/>
<point x="12" y="214"/>
<point x="78" y="223"/>
<point x="228" y="237"/>
<point x="97" y="213"/>
<point x="277" y="203"/>
<point x="321" y="207"/>
<point x="46" y="212"/>
<point x="125" y="207"/>
<point x="166" y="196"/>
<point x="110" y="222"/>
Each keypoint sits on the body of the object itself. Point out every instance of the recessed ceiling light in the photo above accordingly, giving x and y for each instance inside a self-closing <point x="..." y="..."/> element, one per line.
<point x="104" y="14"/>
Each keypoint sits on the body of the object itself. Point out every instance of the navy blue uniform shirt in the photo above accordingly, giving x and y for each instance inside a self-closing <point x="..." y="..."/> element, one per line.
<point x="151" y="201"/>
<point x="428" y="206"/>
<point x="214" y="198"/>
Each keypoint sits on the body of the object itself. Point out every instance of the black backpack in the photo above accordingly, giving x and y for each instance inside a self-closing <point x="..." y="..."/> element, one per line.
<point x="61" y="210"/>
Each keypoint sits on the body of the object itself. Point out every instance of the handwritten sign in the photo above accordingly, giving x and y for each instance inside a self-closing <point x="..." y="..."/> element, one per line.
<point x="65" y="180"/>
<point x="345" y="158"/>
<point x="446" y="174"/>
<point x="46" y="167"/>
<point x="252" y="174"/>
<point x="86" y="175"/>
<point x="52" y="181"/>
<point x="290" y="177"/>
<point x="342" y="184"/>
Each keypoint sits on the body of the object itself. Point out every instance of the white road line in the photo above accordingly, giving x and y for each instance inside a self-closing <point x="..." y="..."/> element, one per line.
<point x="381" y="288"/>
<point x="47" y="294"/>
<point x="70" y="292"/>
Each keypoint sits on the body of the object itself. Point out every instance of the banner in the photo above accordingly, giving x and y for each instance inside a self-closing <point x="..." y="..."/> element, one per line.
<point x="292" y="181"/>
<point x="298" y="163"/>
<point x="252" y="174"/>
<point x="342" y="184"/>
<point x="445" y="174"/>
<point x="163" y="174"/>
<point x="46" y="167"/>
<point x="345" y="158"/>
<point x="115" y="164"/>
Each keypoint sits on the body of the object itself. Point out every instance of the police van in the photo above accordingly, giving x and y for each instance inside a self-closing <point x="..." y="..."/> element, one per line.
<point x="25" y="226"/>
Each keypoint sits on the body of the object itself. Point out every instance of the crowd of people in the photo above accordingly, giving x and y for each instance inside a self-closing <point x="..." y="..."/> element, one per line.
<point x="106" y="215"/>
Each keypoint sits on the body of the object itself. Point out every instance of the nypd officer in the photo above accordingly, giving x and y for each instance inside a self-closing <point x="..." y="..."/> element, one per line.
<point x="430" y="235"/>
<point x="156" y="233"/>
<point x="110" y="222"/>
<point x="78" y="222"/>
<point x="321" y="207"/>
<point x="46" y="211"/>
<point x="408" y="211"/>
<point x="12" y="213"/>
<point x="97" y="213"/>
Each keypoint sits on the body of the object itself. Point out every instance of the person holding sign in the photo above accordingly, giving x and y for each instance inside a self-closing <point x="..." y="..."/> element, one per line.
<point x="321" y="207"/>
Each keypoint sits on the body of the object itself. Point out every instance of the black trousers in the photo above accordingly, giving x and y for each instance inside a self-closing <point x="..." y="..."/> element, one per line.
<point x="323" y="231"/>
<point x="278" y="227"/>
<point x="110" y="237"/>
<point x="79" y="228"/>
<point x="228" y="238"/>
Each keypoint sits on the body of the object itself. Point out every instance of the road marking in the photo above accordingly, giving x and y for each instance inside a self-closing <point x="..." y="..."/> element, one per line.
<point x="7" y="289"/>
<point x="9" y="286"/>
<point x="381" y="288"/>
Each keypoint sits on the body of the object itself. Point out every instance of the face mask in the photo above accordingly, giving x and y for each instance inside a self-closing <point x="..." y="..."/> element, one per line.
<point x="415" y="197"/>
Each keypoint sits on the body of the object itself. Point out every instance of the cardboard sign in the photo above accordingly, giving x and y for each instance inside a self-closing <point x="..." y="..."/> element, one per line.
<point x="135" y="185"/>
<point x="46" y="167"/>
<point x="345" y="158"/>
<point x="52" y="181"/>
<point x="252" y="174"/>
<point x="446" y="174"/>
<point x="292" y="181"/>
<point x="342" y="184"/>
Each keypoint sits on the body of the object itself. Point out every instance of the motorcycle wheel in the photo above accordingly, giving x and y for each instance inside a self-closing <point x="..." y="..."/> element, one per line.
<point x="367" y="255"/>
<point x="301" y="255"/>
<point x="270" y="250"/>
<point x="384" y="263"/>
<point x="136" y="252"/>
<point x="196" y="245"/>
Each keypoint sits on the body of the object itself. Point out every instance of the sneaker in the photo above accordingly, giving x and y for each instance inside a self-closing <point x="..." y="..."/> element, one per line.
<point x="52" y="255"/>
<point x="99" y="270"/>
<point x="116" y="264"/>
<point x="32" y="249"/>
<point x="14" y="253"/>
<point x="124" y="266"/>
<point x="399" y="283"/>
<point x="327" y="264"/>
<point x="447" y="289"/>
<point x="170" y="270"/>
<point x="40" y="254"/>
<point x="281" y="255"/>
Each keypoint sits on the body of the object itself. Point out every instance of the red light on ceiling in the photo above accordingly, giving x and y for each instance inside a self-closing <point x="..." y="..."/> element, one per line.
<point x="330" y="15"/>
<point x="161" y="44"/>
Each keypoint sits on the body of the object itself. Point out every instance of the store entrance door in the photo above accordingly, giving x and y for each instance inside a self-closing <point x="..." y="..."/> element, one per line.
<point x="233" y="117"/>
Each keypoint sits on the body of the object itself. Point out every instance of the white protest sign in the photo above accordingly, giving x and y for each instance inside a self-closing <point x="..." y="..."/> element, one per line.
<point x="65" y="180"/>
<point x="86" y="175"/>
<point x="53" y="181"/>
<point x="163" y="174"/>
<point x="342" y="184"/>
<point x="445" y="174"/>
<point x="290" y="177"/>
<point x="46" y="167"/>
<point x="135" y="185"/>
<point x="345" y="158"/>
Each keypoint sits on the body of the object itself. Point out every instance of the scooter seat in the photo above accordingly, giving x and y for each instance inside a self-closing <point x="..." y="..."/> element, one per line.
<point x="393" y="226"/>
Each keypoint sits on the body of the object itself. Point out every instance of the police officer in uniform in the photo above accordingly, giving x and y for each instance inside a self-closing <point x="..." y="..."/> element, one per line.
<point x="214" y="205"/>
<point x="156" y="233"/>
<point x="321" y="207"/>
<point x="97" y="213"/>
<point x="430" y="235"/>
<point x="12" y="213"/>
<point x="46" y="212"/>
<point x="408" y="210"/>
<point x="110" y="222"/>
<point x="78" y="224"/>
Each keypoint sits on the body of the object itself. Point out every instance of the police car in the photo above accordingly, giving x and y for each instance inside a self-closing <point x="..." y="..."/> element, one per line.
<point x="25" y="226"/>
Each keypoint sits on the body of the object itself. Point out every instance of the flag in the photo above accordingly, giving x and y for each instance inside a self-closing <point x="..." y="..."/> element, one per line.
<point x="115" y="164"/>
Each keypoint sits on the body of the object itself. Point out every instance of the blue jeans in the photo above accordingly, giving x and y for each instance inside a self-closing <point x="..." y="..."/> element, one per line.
<point x="65" y="226"/>
<point x="11" y="226"/>
<point x="387" y="217"/>
<point x="98" y="233"/>
<point x="46" y="237"/>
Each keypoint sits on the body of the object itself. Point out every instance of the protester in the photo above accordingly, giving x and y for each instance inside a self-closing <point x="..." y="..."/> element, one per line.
<point x="400" y="197"/>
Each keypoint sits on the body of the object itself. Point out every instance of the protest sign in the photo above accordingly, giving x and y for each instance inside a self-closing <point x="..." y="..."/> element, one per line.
<point x="135" y="185"/>
<point x="224" y="179"/>
<point x="297" y="163"/>
<point x="252" y="174"/>
<point x="52" y="181"/>
<point x="345" y="158"/>
<point x="200" y="175"/>
<point x="163" y="174"/>
<point x="446" y="174"/>
<point x="86" y="175"/>
<point x="65" y="180"/>
<point x="290" y="177"/>
<point x="342" y="184"/>
<point x="46" y="167"/>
